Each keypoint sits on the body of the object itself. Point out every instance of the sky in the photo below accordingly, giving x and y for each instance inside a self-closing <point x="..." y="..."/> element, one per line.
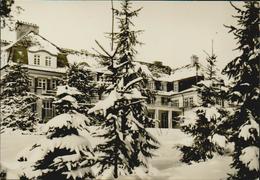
<point x="173" y="30"/>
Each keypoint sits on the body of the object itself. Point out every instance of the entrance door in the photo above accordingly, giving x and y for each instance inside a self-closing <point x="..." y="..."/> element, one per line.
<point x="47" y="110"/>
<point x="164" y="119"/>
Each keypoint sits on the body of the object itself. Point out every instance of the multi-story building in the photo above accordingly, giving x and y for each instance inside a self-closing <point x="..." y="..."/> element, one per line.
<point x="174" y="93"/>
<point x="47" y="65"/>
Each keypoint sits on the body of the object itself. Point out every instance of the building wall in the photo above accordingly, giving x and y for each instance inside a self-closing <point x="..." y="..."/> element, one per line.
<point x="42" y="58"/>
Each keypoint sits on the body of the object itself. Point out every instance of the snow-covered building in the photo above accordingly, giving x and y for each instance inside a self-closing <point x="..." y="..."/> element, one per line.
<point x="45" y="62"/>
<point x="175" y="93"/>
<point x="47" y="65"/>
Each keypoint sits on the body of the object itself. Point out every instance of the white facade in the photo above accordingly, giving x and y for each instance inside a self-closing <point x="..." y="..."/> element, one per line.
<point x="42" y="58"/>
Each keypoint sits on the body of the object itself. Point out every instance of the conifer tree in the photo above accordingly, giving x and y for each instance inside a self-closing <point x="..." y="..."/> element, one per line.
<point x="67" y="99"/>
<point x="16" y="100"/>
<point x="204" y="128"/>
<point x="64" y="153"/>
<point x="244" y="72"/>
<point x="127" y="143"/>
<point x="5" y="10"/>
<point x="81" y="79"/>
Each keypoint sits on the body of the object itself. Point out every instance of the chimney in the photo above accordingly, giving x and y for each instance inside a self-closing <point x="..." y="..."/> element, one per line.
<point x="158" y="63"/>
<point x="194" y="60"/>
<point x="24" y="27"/>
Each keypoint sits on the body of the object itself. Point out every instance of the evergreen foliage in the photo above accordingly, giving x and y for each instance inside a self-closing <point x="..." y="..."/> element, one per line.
<point x="127" y="144"/>
<point x="16" y="100"/>
<point x="205" y="127"/>
<point x="63" y="154"/>
<point x="81" y="79"/>
<point x="244" y="72"/>
<point x="5" y="7"/>
<point x="67" y="99"/>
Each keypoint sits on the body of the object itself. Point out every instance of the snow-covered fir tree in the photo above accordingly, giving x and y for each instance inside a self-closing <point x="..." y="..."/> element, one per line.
<point x="81" y="79"/>
<point x="64" y="153"/>
<point x="127" y="144"/>
<point x="67" y="99"/>
<point x="244" y="72"/>
<point x="16" y="100"/>
<point x="204" y="125"/>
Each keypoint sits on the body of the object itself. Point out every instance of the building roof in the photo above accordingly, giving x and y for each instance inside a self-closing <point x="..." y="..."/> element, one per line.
<point x="35" y="43"/>
<point x="83" y="59"/>
<point x="183" y="72"/>
<point x="48" y="69"/>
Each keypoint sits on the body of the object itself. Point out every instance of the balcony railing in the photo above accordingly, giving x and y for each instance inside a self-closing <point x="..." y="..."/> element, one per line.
<point x="170" y="104"/>
<point x="41" y="91"/>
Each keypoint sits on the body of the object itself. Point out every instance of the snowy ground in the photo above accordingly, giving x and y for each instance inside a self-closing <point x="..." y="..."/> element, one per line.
<point x="166" y="165"/>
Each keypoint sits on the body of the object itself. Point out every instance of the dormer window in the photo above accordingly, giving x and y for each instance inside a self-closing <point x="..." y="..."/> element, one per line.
<point x="36" y="59"/>
<point x="47" y="61"/>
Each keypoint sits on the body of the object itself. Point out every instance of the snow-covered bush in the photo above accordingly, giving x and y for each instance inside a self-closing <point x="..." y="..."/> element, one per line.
<point x="16" y="100"/>
<point x="63" y="154"/>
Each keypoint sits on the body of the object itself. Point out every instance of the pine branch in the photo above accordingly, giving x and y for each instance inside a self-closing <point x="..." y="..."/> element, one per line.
<point x="101" y="47"/>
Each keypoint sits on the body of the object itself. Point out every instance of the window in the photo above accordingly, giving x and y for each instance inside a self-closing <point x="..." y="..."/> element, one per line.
<point x="30" y="83"/>
<point x="44" y="84"/>
<point x="191" y="102"/>
<point x="39" y="83"/>
<point x="34" y="107"/>
<point x="219" y="101"/>
<point x="175" y="86"/>
<point x="47" y="61"/>
<point x="36" y="59"/>
<point x="151" y="84"/>
<point x="164" y="86"/>
<point x="47" y="111"/>
<point x="186" y="102"/>
<point x="165" y="101"/>
<point x="54" y="85"/>
<point x="175" y="103"/>
<point x="157" y="85"/>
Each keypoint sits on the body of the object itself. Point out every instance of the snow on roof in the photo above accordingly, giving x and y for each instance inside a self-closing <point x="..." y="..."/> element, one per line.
<point x="38" y="43"/>
<point x="188" y="90"/>
<point x="185" y="72"/>
<point x="103" y="70"/>
<point x="43" y="68"/>
<point x="41" y="44"/>
<point x="82" y="58"/>
<point x="163" y="77"/>
<point x="67" y="90"/>
<point x="180" y="73"/>
<point x="4" y="59"/>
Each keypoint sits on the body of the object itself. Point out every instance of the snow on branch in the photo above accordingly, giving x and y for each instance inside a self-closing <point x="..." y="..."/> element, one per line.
<point x="250" y="157"/>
